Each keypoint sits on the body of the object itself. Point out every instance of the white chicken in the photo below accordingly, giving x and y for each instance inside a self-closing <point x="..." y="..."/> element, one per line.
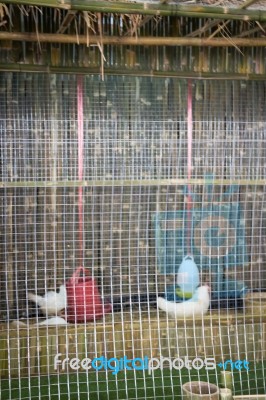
<point x="52" y="302"/>
<point x="197" y="306"/>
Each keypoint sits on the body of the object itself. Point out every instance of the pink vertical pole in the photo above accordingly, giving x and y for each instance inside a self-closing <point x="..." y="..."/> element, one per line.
<point x="80" y="160"/>
<point x="189" y="163"/>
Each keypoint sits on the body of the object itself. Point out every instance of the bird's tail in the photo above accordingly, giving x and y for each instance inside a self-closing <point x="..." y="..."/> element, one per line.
<point x="34" y="297"/>
<point x="163" y="304"/>
<point x="17" y="323"/>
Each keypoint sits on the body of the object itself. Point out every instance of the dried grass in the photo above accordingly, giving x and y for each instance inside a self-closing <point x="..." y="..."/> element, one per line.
<point x="4" y="12"/>
<point x="133" y="22"/>
<point x="224" y="3"/>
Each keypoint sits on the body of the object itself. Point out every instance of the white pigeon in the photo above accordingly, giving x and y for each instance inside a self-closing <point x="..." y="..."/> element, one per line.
<point x="52" y="302"/>
<point x="197" y="306"/>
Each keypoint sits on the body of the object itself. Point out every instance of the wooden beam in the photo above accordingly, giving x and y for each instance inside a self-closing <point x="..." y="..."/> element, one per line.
<point x="132" y="41"/>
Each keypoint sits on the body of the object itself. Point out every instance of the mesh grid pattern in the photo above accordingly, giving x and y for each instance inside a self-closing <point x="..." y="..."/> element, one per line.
<point x="134" y="169"/>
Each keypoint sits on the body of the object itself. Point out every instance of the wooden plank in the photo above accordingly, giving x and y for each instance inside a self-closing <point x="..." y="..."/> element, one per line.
<point x="152" y="338"/>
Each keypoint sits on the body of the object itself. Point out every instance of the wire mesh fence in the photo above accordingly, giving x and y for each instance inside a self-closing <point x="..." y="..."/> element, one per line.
<point x="94" y="174"/>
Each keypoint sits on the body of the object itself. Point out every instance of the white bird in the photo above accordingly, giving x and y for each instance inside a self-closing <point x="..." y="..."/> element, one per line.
<point x="197" y="306"/>
<point x="52" y="302"/>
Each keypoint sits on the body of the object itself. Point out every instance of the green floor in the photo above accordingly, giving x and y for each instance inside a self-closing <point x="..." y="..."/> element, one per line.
<point x="129" y="385"/>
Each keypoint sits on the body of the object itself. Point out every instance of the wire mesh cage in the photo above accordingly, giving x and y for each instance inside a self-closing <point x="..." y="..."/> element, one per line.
<point x="105" y="187"/>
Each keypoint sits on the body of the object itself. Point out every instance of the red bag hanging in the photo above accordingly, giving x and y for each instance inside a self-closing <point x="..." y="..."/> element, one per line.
<point x="84" y="302"/>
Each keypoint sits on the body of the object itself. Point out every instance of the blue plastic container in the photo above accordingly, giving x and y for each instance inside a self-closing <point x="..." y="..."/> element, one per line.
<point x="187" y="278"/>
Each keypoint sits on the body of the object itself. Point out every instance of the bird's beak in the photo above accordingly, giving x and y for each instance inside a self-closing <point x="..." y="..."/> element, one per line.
<point x="62" y="313"/>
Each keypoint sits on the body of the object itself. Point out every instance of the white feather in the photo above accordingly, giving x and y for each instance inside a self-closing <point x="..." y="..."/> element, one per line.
<point x="52" y="302"/>
<point x="53" y="321"/>
<point x="197" y="306"/>
<point x="48" y="322"/>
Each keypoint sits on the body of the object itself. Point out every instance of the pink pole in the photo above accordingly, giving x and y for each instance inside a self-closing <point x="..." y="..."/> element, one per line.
<point x="80" y="160"/>
<point x="189" y="163"/>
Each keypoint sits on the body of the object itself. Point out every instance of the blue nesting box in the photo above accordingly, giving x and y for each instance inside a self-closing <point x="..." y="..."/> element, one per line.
<point x="217" y="241"/>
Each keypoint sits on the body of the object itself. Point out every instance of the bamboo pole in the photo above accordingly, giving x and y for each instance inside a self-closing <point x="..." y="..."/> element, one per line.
<point x="133" y="41"/>
<point x="165" y="9"/>
<point x="134" y="182"/>
<point x="130" y="72"/>
<point x="243" y="6"/>
<point x="248" y="3"/>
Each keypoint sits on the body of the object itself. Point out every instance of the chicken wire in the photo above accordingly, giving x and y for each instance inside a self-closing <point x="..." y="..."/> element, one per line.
<point x="100" y="180"/>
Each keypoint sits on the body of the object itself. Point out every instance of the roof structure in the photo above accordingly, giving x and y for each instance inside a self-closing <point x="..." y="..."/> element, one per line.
<point x="157" y="37"/>
<point x="224" y="9"/>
